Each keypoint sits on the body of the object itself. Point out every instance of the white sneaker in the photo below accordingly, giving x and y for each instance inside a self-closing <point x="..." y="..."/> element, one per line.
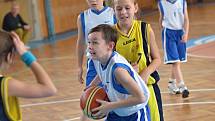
<point x="173" y="89"/>
<point x="183" y="89"/>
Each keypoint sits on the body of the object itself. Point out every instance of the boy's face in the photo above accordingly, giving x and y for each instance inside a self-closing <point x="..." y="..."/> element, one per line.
<point x="98" y="48"/>
<point x="125" y="10"/>
<point x="96" y="4"/>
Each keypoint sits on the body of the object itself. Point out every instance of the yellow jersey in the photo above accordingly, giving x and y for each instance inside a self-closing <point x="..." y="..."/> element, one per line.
<point x="130" y="45"/>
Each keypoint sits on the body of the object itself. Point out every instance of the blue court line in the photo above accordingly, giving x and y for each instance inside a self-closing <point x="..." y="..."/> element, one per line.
<point x="58" y="37"/>
<point x="201" y="40"/>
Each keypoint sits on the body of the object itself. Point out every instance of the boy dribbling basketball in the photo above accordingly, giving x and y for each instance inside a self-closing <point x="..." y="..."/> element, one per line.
<point x="127" y="92"/>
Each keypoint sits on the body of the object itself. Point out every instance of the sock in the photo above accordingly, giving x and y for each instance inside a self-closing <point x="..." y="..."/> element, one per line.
<point x="181" y="83"/>
<point x="172" y="80"/>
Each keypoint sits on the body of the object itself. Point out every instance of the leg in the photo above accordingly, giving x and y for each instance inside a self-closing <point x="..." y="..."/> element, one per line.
<point x="25" y="36"/>
<point x="19" y="32"/>
<point x="179" y="77"/>
<point x="176" y="71"/>
<point x="172" y="87"/>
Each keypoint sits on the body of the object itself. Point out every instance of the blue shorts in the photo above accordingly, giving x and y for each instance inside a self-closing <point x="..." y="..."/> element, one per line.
<point x="174" y="49"/>
<point x="141" y="115"/>
<point x="91" y="72"/>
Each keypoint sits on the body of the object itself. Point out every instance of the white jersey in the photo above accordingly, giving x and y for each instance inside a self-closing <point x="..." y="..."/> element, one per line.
<point x="173" y="13"/>
<point x="116" y="91"/>
<point x="91" y="18"/>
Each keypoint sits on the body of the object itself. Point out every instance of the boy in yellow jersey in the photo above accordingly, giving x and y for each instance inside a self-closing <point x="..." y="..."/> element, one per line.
<point x="137" y="44"/>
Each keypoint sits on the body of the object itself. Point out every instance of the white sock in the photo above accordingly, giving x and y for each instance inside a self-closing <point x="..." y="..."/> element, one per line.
<point x="172" y="80"/>
<point x="181" y="83"/>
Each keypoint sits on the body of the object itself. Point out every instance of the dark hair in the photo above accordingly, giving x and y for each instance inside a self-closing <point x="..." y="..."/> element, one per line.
<point x="6" y="46"/>
<point x="108" y="32"/>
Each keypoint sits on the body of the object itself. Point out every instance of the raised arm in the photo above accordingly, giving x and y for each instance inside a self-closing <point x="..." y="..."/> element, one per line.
<point x="44" y="86"/>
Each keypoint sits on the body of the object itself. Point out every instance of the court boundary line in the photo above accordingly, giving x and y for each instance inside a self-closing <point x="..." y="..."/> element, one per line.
<point x="192" y="43"/>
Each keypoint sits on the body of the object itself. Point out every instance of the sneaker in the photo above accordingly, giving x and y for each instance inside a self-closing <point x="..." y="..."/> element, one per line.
<point x="183" y="89"/>
<point x="173" y="89"/>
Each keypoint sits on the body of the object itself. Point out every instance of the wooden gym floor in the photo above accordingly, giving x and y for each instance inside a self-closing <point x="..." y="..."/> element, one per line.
<point x="60" y="61"/>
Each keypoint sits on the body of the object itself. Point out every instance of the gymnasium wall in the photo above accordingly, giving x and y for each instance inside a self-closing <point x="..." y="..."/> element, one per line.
<point x="146" y="4"/>
<point x="65" y="13"/>
<point x="43" y="23"/>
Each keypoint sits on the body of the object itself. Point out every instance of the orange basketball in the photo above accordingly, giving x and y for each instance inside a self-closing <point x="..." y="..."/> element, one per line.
<point x="88" y="100"/>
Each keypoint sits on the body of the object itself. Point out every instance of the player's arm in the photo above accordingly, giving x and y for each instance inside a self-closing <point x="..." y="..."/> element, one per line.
<point x="155" y="57"/>
<point x="186" y="25"/>
<point x="160" y="17"/>
<point x="137" y="96"/>
<point x="80" y="49"/>
<point x="44" y="86"/>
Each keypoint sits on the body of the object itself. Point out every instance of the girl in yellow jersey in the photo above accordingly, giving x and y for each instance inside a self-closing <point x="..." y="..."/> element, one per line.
<point x="137" y="44"/>
<point x="11" y="88"/>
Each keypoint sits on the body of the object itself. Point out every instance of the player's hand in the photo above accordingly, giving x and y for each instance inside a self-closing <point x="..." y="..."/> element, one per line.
<point x="103" y="109"/>
<point x="27" y="27"/>
<point x="80" y="73"/>
<point x="145" y="75"/>
<point x="20" y="47"/>
<point x="184" y="38"/>
<point x="135" y="67"/>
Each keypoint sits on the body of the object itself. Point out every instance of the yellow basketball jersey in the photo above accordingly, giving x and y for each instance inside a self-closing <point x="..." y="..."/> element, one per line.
<point x="10" y="103"/>
<point x="131" y="45"/>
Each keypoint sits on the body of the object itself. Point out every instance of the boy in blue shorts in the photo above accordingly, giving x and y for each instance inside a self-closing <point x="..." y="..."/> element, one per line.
<point x="174" y="22"/>
<point x="95" y="15"/>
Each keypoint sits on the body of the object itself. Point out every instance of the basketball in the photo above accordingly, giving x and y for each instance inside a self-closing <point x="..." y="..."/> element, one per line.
<point x="88" y="100"/>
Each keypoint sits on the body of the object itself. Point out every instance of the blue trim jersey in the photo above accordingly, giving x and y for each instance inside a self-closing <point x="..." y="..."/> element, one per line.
<point x="173" y="13"/>
<point x="173" y="24"/>
<point x="90" y="18"/>
<point x="116" y="91"/>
